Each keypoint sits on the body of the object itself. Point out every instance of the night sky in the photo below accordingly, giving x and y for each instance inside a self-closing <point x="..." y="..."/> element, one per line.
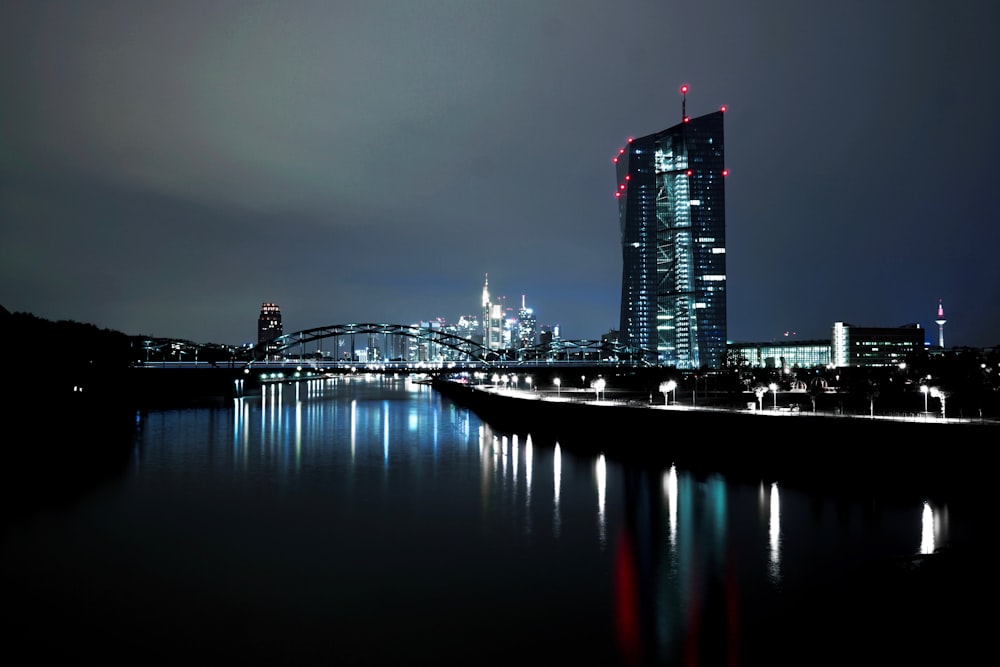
<point x="166" y="167"/>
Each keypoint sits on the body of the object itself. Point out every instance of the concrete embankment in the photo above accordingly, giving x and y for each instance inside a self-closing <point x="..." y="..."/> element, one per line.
<point x="850" y="452"/>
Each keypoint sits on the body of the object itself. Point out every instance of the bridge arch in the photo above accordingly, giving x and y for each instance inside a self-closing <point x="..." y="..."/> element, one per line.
<point x="308" y="342"/>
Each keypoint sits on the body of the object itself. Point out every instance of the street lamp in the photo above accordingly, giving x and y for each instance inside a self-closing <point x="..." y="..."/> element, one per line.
<point x="527" y="380"/>
<point x="940" y="394"/>
<point x="557" y="382"/>
<point x="598" y="388"/>
<point x="774" y="392"/>
<point x="925" y="389"/>
<point x="666" y="388"/>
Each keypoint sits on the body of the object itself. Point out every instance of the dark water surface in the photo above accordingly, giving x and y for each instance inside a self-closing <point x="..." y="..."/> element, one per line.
<point x="372" y="521"/>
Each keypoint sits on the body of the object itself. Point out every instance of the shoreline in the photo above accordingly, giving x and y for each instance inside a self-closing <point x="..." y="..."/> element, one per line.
<point x="852" y="454"/>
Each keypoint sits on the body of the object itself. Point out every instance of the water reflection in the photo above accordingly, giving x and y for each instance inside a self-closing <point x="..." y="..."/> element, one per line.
<point x="933" y="528"/>
<point x="774" y="533"/>
<point x="556" y="484"/>
<point x="690" y="560"/>
<point x="601" y="475"/>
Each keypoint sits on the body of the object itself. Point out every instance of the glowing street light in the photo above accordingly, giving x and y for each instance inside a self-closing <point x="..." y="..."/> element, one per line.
<point x="774" y="392"/>
<point x="925" y="389"/>
<point x="527" y="380"/>
<point x="598" y="388"/>
<point x="666" y="388"/>
<point x="557" y="382"/>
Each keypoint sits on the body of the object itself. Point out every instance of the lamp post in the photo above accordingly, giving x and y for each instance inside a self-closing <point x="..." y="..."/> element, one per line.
<point x="774" y="392"/>
<point x="527" y="380"/>
<point x="666" y="388"/>
<point x="925" y="389"/>
<point x="598" y="388"/>
<point x="557" y="382"/>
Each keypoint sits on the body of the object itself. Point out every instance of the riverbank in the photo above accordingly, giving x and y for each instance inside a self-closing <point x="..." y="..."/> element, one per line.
<point x="937" y="456"/>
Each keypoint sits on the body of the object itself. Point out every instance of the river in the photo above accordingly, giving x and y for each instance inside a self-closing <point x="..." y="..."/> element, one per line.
<point x="369" y="520"/>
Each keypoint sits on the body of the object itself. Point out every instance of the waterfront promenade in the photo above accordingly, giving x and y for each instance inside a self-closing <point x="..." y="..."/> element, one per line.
<point x="915" y="454"/>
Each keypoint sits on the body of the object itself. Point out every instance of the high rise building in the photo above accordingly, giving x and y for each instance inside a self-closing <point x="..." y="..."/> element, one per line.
<point x="672" y="213"/>
<point x="493" y="323"/>
<point x="526" y="326"/>
<point x="268" y="328"/>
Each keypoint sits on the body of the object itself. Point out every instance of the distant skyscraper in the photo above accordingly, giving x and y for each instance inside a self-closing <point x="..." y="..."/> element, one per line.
<point x="940" y="321"/>
<point x="526" y="326"/>
<point x="492" y="320"/>
<point x="672" y="213"/>
<point x="268" y="327"/>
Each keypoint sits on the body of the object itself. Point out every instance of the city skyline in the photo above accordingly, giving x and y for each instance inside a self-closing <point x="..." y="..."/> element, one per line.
<point x="166" y="170"/>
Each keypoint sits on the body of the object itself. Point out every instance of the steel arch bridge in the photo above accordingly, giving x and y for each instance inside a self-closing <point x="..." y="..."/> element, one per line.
<point x="296" y="344"/>
<point x="439" y="344"/>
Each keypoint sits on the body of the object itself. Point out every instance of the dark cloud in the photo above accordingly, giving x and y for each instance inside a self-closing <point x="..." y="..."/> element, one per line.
<point x="167" y="167"/>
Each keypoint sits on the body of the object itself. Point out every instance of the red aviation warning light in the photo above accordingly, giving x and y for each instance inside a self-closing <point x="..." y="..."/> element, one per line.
<point x="684" y="89"/>
<point x="689" y="173"/>
<point x="684" y="93"/>
<point x="723" y="108"/>
<point x="725" y="172"/>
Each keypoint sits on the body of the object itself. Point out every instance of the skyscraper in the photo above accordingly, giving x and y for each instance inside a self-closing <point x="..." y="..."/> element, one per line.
<point x="268" y="328"/>
<point x="492" y="320"/>
<point x="526" y="326"/>
<point x="672" y="213"/>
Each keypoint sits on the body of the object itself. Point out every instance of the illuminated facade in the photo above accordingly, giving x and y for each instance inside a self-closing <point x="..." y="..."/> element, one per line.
<point x="785" y="356"/>
<point x="493" y="324"/>
<point x="672" y="214"/>
<point x="268" y="328"/>
<point x="526" y="326"/>
<point x="874" y="346"/>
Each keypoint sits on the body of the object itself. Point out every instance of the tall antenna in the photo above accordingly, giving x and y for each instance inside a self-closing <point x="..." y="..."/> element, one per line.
<point x="940" y="321"/>
<point x="684" y="97"/>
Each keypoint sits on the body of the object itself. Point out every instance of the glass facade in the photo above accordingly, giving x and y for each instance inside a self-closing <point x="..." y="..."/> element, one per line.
<point x="875" y="346"/>
<point x="798" y="354"/>
<point x="672" y="213"/>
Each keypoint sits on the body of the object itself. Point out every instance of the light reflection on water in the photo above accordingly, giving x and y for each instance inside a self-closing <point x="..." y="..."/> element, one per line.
<point x="379" y="502"/>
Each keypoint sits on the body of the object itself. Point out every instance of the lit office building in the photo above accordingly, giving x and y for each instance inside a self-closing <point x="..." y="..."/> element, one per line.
<point x="268" y="328"/>
<point x="672" y="214"/>
<point x="784" y="356"/>
<point x="493" y="321"/>
<point x="526" y="326"/>
<point x="874" y="346"/>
